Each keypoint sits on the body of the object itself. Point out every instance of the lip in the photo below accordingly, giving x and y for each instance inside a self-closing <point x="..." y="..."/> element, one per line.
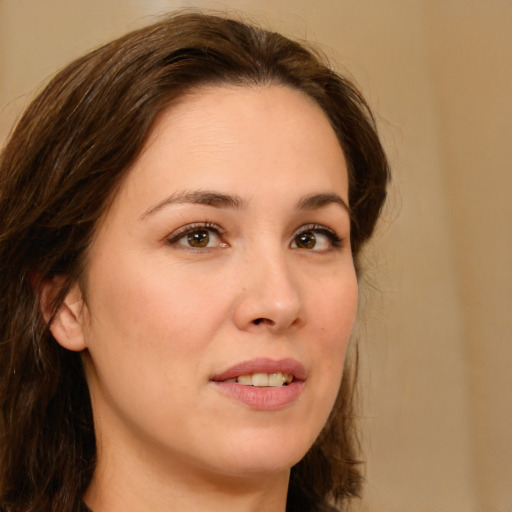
<point x="263" y="365"/>
<point x="262" y="398"/>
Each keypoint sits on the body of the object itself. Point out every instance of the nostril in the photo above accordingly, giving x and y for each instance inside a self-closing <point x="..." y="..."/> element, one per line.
<point x="259" y="321"/>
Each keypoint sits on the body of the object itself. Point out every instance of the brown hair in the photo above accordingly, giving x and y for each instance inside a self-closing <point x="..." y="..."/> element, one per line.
<point x="58" y="173"/>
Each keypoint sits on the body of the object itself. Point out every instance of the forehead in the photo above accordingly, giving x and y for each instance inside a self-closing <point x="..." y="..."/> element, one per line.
<point x="240" y="140"/>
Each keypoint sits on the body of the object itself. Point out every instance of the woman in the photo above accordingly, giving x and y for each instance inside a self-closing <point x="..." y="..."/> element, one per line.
<point x="182" y="213"/>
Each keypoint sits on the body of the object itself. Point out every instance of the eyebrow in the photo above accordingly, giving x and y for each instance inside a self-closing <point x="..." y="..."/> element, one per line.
<point x="205" y="197"/>
<point x="220" y="200"/>
<point x="317" y="201"/>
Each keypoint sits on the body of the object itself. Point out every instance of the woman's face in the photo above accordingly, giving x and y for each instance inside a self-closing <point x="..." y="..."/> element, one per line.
<point x="220" y="288"/>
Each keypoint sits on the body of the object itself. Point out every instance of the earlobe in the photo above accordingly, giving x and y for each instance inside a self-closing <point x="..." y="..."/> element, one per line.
<point x="67" y="325"/>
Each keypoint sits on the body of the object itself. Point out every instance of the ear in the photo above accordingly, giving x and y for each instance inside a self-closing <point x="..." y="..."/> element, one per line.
<point x="67" y="325"/>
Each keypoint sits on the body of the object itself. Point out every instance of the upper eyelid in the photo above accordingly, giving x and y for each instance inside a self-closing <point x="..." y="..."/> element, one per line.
<point x="313" y="225"/>
<point x="183" y="230"/>
<point x="316" y="227"/>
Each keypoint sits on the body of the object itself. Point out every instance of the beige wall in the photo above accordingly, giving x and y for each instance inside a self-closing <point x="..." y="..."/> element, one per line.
<point x="436" y="338"/>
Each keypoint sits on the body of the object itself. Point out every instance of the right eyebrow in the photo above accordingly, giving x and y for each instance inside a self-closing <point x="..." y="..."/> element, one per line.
<point x="205" y="197"/>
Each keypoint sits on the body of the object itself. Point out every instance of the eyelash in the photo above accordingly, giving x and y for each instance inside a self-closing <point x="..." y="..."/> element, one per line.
<point x="175" y="237"/>
<point x="334" y="240"/>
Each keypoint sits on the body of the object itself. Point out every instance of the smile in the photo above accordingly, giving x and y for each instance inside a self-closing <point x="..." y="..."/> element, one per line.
<point x="261" y="380"/>
<point x="263" y="384"/>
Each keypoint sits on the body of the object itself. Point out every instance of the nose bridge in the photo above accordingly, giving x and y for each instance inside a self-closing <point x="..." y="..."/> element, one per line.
<point x="270" y="293"/>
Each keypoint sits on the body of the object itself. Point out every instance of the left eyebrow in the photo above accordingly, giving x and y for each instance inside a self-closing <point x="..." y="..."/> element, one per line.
<point x="317" y="201"/>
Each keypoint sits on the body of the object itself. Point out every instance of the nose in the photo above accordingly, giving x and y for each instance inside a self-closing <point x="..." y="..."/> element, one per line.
<point x="269" y="296"/>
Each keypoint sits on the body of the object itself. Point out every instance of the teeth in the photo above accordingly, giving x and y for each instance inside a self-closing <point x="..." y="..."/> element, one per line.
<point x="245" y="379"/>
<point x="274" y="380"/>
<point x="260" y="379"/>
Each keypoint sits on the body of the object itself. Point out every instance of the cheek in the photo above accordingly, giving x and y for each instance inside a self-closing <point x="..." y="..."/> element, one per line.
<point x="149" y="328"/>
<point x="333" y="312"/>
<point x="152" y="304"/>
<point x="334" y="306"/>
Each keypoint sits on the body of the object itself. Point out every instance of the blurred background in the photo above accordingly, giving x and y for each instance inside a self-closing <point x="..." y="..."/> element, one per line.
<point x="435" y="329"/>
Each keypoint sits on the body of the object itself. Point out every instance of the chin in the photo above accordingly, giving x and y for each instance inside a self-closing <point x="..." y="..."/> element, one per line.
<point x="260" y="453"/>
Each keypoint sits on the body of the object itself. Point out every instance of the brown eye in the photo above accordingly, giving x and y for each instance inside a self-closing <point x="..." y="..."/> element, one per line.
<point x="198" y="238"/>
<point x="305" y="240"/>
<point x="316" y="238"/>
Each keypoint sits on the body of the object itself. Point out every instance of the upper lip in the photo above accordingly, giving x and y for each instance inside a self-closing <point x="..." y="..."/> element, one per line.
<point x="263" y="365"/>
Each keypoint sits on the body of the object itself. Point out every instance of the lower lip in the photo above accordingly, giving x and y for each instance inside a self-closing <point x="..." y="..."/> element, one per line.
<point x="262" y="398"/>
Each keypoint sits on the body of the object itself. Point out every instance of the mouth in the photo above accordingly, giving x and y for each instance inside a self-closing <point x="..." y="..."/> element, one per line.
<point x="263" y="384"/>
<point x="264" y="372"/>
<point x="264" y="380"/>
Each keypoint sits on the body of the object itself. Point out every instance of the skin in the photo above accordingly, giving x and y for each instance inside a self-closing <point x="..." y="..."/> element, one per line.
<point x="157" y="318"/>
